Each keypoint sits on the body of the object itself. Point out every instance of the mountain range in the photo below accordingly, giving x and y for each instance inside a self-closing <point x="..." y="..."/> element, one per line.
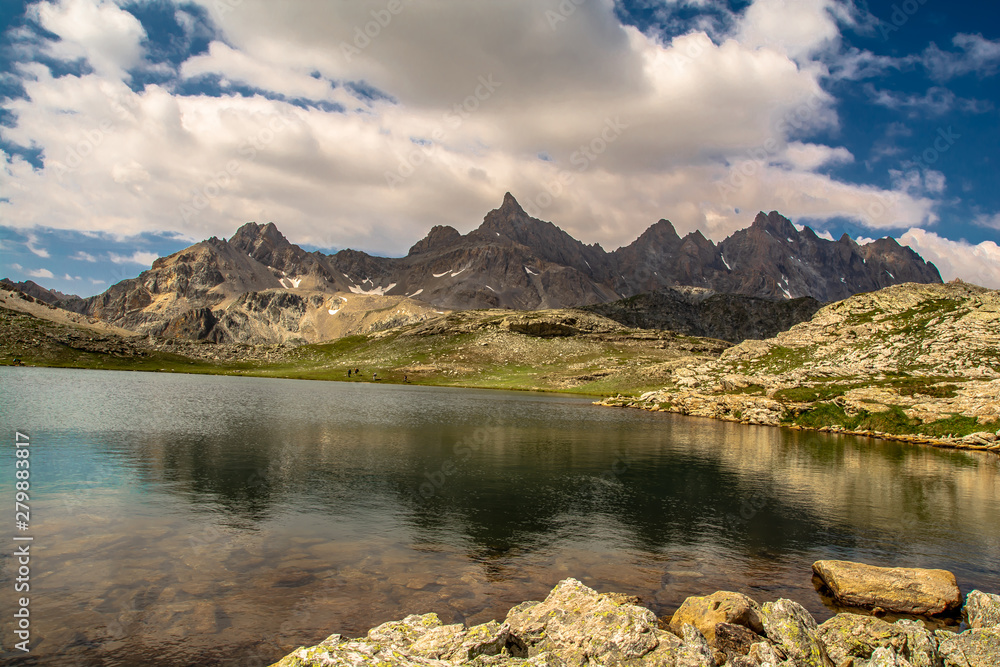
<point x="259" y="281"/>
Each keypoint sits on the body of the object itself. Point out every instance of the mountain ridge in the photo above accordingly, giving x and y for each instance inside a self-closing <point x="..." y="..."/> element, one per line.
<point x="510" y="261"/>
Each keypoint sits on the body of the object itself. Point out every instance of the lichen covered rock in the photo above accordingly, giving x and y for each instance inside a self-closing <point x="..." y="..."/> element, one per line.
<point x="982" y="610"/>
<point x="972" y="648"/>
<point x="853" y="636"/>
<point x="792" y="628"/>
<point x="580" y="625"/>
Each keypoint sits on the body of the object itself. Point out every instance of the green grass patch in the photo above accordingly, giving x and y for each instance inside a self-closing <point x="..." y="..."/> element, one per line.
<point x="958" y="426"/>
<point x="893" y="421"/>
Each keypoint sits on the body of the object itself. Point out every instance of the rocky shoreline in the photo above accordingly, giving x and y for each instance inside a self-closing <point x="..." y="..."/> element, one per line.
<point x="577" y="626"/>
<point x="758" y="411"/>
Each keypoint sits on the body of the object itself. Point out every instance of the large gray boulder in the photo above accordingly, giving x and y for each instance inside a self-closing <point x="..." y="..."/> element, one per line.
<point x="792" y="628"/>
<point x="885" y="657"/>
<point x="982" y="610"/>
<point x="896" y="589"/>
<point x="695" y="652"/>
<point x="580" y="625"/>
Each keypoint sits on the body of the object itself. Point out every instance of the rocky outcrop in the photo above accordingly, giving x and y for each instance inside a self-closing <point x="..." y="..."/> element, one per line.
<point x="576" y="626"/>
<point x="852" y="636"/>
<point x="893" y="589"/>
<point x="580" y="625"/>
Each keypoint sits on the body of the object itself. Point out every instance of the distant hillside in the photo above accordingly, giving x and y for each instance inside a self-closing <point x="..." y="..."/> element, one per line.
<point x="36" y="291"/>
<point x="552" y="350"/>
<point x="908" y="359"/>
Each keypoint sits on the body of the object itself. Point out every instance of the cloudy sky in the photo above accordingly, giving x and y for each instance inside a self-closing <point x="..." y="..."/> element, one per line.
<point x="131" y="128"/>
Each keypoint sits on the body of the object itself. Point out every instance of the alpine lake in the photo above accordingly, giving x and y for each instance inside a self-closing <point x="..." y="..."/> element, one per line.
<point x="183" y="519"/>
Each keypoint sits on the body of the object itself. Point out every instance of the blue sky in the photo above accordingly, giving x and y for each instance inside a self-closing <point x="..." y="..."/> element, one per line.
<point x="130" y="129"/>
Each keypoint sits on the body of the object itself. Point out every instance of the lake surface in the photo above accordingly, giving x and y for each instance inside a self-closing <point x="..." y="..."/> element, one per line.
<point x="224" y="521"/>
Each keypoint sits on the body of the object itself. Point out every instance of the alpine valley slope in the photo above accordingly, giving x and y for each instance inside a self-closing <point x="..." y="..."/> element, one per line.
<point x="257" y="287"/>
<point x="908" y="360"/>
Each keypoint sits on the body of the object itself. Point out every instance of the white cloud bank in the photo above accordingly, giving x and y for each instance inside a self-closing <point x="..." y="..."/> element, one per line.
<point x="634" y="129"/>
<point x="979" y="264"/>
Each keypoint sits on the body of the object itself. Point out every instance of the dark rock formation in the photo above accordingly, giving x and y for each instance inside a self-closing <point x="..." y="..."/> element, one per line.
<point x="730" y="317"/>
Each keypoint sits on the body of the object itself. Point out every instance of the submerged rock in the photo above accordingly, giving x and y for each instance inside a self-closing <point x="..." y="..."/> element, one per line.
<point x="895" y="589"/>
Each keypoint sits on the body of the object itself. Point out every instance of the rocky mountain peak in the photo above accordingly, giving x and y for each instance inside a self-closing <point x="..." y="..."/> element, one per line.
<point x="697" y="238"/>
<point x="267" y="245"/>
<point x="510" y="204"/>
<point x="509" y="220"/>
<point x="440" y="236"/>
<point x="775" y="224"/>
<point x="252" y="235"/>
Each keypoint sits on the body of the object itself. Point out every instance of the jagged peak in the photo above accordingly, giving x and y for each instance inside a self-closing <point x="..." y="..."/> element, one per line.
<point x="440" y="236"/>
<point x="660" y="234"/>
<point x="252" y="233"/>
<point x="509" y="219"/>
<point x="886" y="241"/>
<point x="510" y="204"/>
<point x="775" y="222"/>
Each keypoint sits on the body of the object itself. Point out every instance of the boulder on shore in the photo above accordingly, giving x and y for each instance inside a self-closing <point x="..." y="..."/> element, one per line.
<point x="706" y="612"/>
<point x="902" y="590"/>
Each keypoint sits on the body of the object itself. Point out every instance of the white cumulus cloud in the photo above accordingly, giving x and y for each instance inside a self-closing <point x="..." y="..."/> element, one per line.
<point x="138" y="257"/>
<point x="979" y="264"/>
<point x="635" y="128"/>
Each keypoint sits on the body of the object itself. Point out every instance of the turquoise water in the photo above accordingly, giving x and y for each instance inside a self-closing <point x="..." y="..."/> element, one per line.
<point x="180" y="519"/>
